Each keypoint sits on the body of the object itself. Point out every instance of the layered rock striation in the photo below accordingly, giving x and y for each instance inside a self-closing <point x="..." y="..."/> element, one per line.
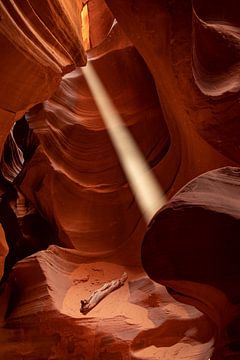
<point x="201" y="267"/>
<point x="171" y="68"/>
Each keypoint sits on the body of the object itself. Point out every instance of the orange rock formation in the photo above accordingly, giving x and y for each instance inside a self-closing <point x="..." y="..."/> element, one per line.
<point x="69" y="220"/>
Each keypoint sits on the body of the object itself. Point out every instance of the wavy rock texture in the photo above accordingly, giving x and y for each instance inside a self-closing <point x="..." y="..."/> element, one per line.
<point x="172" y="70"/>
<point x="39" y="43"/>
<point x="18" y="149"/>
<point x="73" y="135"/>
<point x="216" y="48"/>
<point x="75" y="140"/>
<point x="201" y="265"/>
<point x="130" y="323"/>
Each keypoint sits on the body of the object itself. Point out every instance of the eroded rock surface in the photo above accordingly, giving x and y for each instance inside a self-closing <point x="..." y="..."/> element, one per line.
<point x="138" y="321"/>
<point x="172" y="70"/>
<point x="39" y="43"/>
<point x="201" y="266"/>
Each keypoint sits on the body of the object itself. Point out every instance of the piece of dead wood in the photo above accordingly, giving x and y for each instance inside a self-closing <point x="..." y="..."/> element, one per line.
<point x="102" y="292"/>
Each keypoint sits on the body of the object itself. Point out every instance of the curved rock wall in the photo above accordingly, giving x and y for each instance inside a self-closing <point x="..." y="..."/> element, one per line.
<point x="72" y="132"/>
<point x="201" y="266"/>
<point x="172" y="70"/>
<point x="38" y="45"/>
<point x="216" y="49"/>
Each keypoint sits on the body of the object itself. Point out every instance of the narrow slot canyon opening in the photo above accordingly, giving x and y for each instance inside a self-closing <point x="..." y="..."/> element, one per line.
<point x="85" y="27"/>
<point x="26" y="230"/>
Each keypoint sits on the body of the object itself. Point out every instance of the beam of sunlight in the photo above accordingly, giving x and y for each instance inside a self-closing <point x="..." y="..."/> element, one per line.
<point x="144" y="185"/>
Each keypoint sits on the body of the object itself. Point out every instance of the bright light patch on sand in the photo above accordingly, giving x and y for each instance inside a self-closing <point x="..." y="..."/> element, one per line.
<point x="89" y="277"/>
<point x="146" y="326"/>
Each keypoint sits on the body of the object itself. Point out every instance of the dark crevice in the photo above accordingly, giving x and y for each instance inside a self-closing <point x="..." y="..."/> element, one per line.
<point x="28" y="232"/>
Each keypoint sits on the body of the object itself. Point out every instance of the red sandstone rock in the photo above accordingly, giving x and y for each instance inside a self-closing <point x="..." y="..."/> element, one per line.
<point x="44" y="303"/>
<point x="216" y="46"/>
<point x="73" y="135"/>
<point x="192" y="247"/>
<point x="45" y="37"/>
<point x="83" y="171"/>
<point x="100" y="21"/>
<point x="147" y="53"/>
<point x="3" y="250"/>
<point x="160" y="31"/>
<point x="40" y="41"/>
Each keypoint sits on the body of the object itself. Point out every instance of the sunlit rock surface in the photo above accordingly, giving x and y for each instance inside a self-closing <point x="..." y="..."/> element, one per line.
<point x="138" y="321"/>
<point x="172" y="70"/>
<point x="39" y="41"/>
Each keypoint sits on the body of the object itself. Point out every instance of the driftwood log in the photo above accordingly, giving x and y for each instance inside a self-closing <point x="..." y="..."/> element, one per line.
<point x="101" y="293"/>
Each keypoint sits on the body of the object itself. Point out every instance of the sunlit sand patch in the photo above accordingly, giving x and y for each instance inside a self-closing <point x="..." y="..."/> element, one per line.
<point x="89" y="277"/>
<point x="119" y="317"/>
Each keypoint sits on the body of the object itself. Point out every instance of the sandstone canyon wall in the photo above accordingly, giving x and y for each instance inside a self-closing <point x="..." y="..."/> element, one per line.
<point x="69" y="220"/>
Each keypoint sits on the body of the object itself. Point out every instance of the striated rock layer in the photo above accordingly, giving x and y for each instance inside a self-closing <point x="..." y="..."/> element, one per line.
<point x="39" y="43"/>
<point x="216" y="46"/>
<point x="202" y="267"/>
<point x="72" y="132"/>
<point x="138" y="321"/>
<point x="82" y="170"/>
<point x="172" y="70"/>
